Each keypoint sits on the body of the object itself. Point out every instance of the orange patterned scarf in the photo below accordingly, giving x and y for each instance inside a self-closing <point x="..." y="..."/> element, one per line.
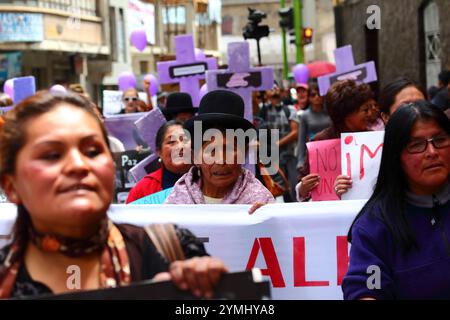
<point x="114" y="262"/>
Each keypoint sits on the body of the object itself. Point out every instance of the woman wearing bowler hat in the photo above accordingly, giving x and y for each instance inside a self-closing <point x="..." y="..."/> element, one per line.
<point x="217" y="175"/>
<point x="179" y="107"/>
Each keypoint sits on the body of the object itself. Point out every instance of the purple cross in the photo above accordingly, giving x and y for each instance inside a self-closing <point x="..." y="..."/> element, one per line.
<point x="186" y="69"/>
<point x="346" y="69"/>
<point x="149" y="125"/>
<point x="240" y="77"/>
<point x="23" y="88"/>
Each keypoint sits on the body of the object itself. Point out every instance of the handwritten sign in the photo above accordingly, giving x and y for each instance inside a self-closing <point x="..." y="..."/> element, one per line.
<point x="325" y="160"/>
<point x="361" y="157"/>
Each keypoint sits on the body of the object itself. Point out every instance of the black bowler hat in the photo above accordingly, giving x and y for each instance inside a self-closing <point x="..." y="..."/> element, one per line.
<point x="178" y="102"/>
<point x="222" y="108"/>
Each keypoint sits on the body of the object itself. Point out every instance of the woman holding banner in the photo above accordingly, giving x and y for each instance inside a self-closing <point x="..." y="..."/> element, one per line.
<point x="400" y="239"/>
<point x="349" y="106"/>
<point x="55" y="164"/>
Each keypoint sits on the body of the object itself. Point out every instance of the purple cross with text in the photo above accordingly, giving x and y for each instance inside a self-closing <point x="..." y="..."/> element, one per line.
<point x="346" y="69"/>
<point x="186" y="69"/>
<point x="240" y="78"/>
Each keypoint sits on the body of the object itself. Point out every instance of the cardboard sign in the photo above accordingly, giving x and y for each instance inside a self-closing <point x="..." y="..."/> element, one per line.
<point x="245" y="285"/>
<point x="325" y="160"/>
<point x="148" y="126"/>
<point x="361" y="157"/>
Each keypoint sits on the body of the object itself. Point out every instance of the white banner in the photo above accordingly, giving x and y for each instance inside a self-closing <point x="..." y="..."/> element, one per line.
<point x="141" y="16"/>
<point x="300" y="247"/>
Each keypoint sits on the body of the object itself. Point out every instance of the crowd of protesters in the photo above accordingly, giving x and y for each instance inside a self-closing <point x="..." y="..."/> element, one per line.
<point x="55" y="152"/>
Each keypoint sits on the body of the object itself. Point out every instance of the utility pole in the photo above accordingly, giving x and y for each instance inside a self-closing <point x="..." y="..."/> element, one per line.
<point x="284" y="46"/>
<point x="298" y="27"/>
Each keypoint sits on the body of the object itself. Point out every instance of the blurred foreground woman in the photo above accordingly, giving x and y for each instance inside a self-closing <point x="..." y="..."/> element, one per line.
<point x="401" y="238"/>
<point x="55" y="164"/>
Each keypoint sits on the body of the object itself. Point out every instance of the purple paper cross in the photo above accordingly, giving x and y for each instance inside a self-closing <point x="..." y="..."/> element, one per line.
<point x="186" y="69"/>
<point x="240" y="77"/>
<point x="23" y="88"/>
<point x="346" y="69"/>
<point x="149" y="125"/>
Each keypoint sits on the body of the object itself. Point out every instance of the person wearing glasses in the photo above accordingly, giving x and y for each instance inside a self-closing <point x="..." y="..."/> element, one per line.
<point x="401" y="237"/>
<point x="312" y="121"/>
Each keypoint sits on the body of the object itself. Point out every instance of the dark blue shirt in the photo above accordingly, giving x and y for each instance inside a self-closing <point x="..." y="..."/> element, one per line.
<point x="421" y="273"/>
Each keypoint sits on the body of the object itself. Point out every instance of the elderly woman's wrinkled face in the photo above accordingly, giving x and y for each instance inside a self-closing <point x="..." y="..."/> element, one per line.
<point x="173" y="149"/>
<point x="426" y="164"/>
<point x="64" y="174"/>
<point x="221" y="162"/>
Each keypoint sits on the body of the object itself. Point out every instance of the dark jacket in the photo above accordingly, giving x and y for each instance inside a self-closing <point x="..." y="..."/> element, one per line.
<point x="421" y="273"/>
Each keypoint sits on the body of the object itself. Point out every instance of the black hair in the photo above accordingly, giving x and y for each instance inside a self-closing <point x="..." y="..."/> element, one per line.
<point x="392" y="89"/>
<point x="444" y="77"/>
<point x="389" y="193"/>
<point x="163" y="130"/>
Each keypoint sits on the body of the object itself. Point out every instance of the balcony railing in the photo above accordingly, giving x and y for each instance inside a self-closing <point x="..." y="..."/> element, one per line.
<point x="76" y="7"/>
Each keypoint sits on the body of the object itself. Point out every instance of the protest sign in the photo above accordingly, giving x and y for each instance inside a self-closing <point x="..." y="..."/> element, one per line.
<point x="124" y="162"/>
<point x="325" y="160"/>
<point x="301" y="248"/>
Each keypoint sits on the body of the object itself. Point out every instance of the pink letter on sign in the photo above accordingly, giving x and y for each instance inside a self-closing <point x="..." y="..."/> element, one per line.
<point x="325" y="159"/>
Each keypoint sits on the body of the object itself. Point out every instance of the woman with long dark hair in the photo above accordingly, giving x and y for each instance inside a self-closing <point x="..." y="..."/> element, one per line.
<point x="400" y="239"/>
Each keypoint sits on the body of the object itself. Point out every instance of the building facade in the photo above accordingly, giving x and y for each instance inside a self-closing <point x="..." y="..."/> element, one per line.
<point x="56" y="41"/>
<point x="413" y="38"/>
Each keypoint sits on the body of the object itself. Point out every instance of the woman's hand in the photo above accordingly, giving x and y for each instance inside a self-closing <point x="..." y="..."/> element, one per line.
<point x="309" y="182"/>
<point x="342" y="184"/>
<point x="199" y="275"/>
<point x="255" y="207"/>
